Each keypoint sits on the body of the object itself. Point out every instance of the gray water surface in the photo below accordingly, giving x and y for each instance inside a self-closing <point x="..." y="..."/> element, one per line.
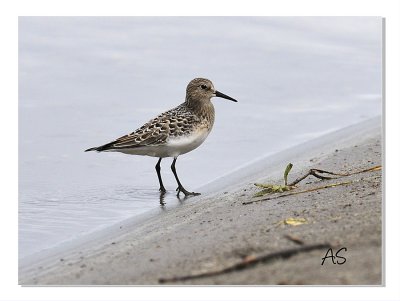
<point x="84" y="81"/>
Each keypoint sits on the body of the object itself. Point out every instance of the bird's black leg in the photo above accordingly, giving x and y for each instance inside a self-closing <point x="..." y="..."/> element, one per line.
<point x="158" y="169"/>
<point x="180" y="187"/>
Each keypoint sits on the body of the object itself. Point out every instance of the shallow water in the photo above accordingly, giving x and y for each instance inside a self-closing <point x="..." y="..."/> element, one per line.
<point x="86" y="81"/>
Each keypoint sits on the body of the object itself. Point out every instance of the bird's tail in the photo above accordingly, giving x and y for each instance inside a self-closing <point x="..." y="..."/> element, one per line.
<point x="101" y="148"/>
<point x="92" y="149"/>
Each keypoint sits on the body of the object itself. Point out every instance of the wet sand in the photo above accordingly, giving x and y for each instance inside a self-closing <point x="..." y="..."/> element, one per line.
<point x="217" y="239"/>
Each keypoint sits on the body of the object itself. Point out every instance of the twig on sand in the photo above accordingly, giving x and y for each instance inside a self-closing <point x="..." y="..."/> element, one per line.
<point x="294" y="239"/>
<point x="298" y="192"/>
<point x="248" y="262"/>
<point x="316" y="173"/>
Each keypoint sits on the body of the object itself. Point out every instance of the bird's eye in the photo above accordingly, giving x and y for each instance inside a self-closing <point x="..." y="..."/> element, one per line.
<point x="203" y="87"/>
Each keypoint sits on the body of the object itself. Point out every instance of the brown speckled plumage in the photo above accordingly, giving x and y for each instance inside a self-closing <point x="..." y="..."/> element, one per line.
<point x="176" y="122"/>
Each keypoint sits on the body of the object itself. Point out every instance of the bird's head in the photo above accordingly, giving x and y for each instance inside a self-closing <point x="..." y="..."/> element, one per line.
<point x="201" y="90"/>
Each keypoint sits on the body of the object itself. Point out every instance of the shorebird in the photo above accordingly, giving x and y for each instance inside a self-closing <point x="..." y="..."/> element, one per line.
<point x="174" y="132"/>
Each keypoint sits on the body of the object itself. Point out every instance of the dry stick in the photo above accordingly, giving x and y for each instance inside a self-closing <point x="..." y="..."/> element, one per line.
<point x="298" y="192"/>
<point x="294" y="239"/>
<point x="249" y="262"/>
<point x="312" y="172"/>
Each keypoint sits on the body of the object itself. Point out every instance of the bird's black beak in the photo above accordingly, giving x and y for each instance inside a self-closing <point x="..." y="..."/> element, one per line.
<point x="219" y="94"/>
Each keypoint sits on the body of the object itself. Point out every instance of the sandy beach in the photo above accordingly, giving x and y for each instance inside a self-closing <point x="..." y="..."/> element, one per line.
<point x="229" y="237"/>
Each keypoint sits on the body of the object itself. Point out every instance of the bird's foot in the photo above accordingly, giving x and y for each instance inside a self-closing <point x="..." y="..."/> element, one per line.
<point x="163" y="192"/>
<point x="185" y="192"/>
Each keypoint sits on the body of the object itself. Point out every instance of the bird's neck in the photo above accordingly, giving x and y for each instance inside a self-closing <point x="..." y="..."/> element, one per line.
<point x="203" y="109"/>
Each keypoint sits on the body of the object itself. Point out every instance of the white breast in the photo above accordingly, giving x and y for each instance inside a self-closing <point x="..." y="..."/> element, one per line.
<point x="183" y="144"/>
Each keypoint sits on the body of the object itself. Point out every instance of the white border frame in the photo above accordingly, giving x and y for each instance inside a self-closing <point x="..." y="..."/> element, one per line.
<point x="9" y="12"/>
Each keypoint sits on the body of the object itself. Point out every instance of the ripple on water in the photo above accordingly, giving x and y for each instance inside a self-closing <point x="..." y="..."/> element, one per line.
<point x="49" y="218"/>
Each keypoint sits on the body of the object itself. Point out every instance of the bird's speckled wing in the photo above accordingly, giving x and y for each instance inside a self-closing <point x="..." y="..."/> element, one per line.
<point x="173" y="123"/>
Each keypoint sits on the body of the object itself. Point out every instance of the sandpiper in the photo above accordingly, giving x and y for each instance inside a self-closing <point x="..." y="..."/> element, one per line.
<point x="174" y="132"/>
